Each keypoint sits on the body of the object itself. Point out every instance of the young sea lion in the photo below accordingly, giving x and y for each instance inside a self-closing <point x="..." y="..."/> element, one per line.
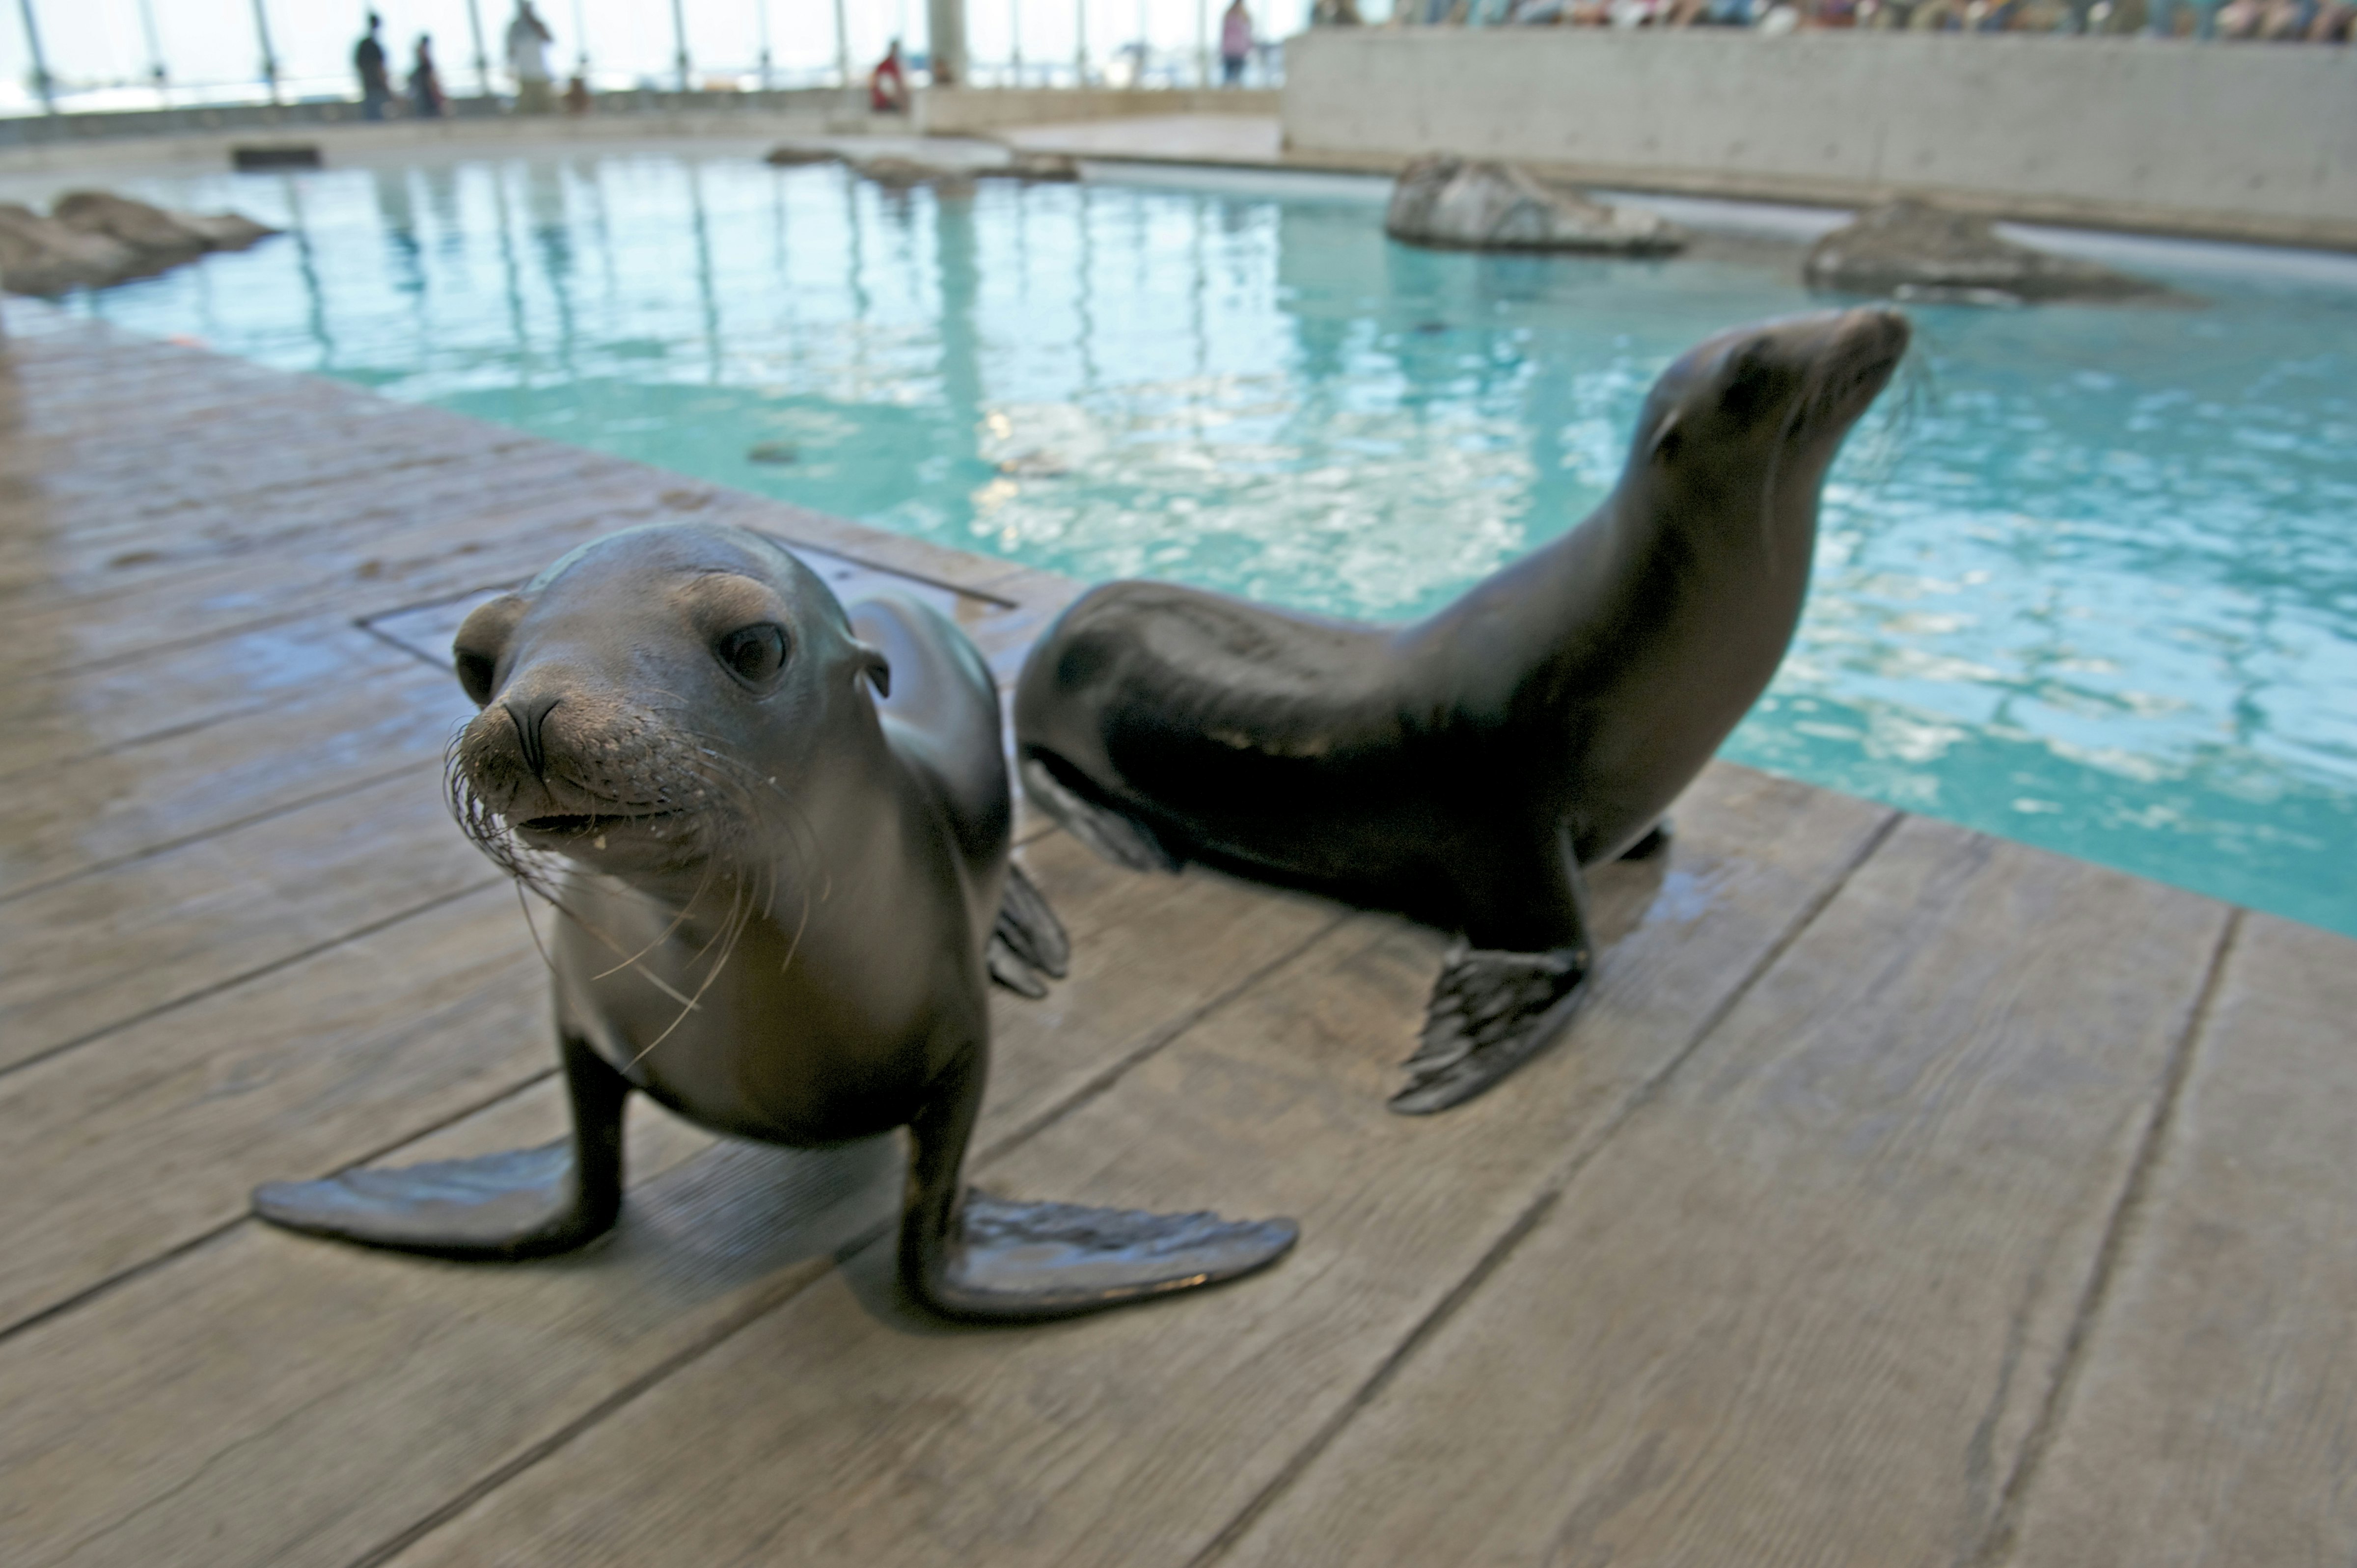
<point x="1462" y="770"/>
<point x="779" y="836"/>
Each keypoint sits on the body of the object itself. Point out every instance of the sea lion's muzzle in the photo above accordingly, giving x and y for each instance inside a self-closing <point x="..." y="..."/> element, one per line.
<point x="1850" y="357"/>
<point x="567" y="768"/>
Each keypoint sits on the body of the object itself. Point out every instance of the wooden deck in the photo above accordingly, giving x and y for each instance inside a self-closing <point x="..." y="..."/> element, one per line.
<point x="1903" y="1197"/>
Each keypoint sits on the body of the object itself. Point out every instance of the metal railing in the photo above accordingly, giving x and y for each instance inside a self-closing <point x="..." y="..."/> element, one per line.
<point x="75" y="56"/>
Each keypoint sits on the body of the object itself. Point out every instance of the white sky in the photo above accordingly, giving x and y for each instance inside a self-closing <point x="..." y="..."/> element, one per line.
<point x="206" y="41"/>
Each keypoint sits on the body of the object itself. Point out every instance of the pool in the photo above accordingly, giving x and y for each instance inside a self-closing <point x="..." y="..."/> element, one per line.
<point x="2088" y="577"/>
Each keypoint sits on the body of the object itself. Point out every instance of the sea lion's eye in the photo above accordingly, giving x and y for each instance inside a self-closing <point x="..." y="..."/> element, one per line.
<point x="753" y="654"/>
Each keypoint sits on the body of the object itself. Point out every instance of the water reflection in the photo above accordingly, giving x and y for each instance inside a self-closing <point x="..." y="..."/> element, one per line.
<point x="2096" y="590"/>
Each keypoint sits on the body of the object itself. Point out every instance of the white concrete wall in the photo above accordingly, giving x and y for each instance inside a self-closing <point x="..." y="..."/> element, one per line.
<point x="2257" y="141"/>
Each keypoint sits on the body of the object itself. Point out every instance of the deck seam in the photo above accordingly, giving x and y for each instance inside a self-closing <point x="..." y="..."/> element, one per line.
<point x="1551" y="1190"/>
<point x="182" y="1247"/>
<point x="1096" y="1086"/>
<point x="165" y="846"/>
<point x="621" y="1398"/>
<point x="230" y="982"/>
<point x="1996" y="1544"/>
<point x="128" y="743"/>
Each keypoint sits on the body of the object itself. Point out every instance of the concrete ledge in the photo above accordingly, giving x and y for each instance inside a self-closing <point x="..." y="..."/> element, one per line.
<point x="976" y="111"/>
<point x="348" y="143"/>
<point x="2235" y="142"/>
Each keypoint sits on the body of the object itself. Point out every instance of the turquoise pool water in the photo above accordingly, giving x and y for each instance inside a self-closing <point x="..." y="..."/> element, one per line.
<point x="2088" y="577"/>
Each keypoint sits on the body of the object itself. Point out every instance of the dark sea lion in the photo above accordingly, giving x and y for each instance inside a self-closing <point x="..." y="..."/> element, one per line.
<point x="1462" y="770"/>
<point x="779" y="835"/>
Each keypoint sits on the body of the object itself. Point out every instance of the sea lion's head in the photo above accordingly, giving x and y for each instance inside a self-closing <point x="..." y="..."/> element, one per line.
<point x="652" y="698"/>
<point x="1745" y="424"/>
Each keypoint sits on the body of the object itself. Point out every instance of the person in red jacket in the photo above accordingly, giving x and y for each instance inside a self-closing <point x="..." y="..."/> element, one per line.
<point x="888" y="84"/>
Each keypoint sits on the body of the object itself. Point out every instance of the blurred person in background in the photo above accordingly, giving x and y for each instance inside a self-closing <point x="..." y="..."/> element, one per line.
<point x="2163" y="15"/>
<point x="1235" y="43"/>
<point x="888" y="84"/>
<point x="528" y="41"/>
<point x="376" y="80"/>
<point x="426" y="99"/>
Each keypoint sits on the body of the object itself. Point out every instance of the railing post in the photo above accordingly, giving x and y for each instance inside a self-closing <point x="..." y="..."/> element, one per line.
<point x="580" y="45"/>
<point x="482" y="59"/>
<point x="269" y="55"/>
<point x="841" y="45"/>
<point x="1203" y="43"/>
<point x="761" y="10"/>
<point x="946" y="21"/>
<point x="155" y="49"/>
<point x="42" y="83"/>
<point x="679" y="35"/>
<point x="1015" y="38"/>
<point x="1079" y="43"/>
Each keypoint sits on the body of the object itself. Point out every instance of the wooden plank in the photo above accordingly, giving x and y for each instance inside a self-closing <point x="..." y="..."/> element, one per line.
<point x="332" y="737"/>
<point x="195" y="483"/>
<point x="402" y="561"/>
<point x="2209" y="1422"/>
<point x="153" y="1135"/>
<point x="1808" y="1305"/>
<point x="101" y="547"/>
<point x="70" y="383"/>
<point x="86" y="955"/>
<point x="859" y="1433"/>
<point x="268" y="1398"/>
<point x="223" y="1396"/>
<point x="81" y="712"/>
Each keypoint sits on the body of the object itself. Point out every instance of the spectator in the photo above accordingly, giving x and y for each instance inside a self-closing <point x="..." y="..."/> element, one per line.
<point x="2163" y="15"/>
<point x="576" y="94"/>
<point x="888" y="84"/>
<point x="425" y="98"/>
<point x="376" y="81"/>
<point x="528" y="41"/>
<point x="1235" y="43"/>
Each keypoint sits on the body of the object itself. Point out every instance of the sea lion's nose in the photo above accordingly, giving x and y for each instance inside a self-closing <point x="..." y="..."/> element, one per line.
<point x="529" y="713"/>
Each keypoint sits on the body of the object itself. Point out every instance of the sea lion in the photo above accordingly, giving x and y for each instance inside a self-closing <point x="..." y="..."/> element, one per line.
<point x="1463" y="769"/>
<point x="777" y="834"/>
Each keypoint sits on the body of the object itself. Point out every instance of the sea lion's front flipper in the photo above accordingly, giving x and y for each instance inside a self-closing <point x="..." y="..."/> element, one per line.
<point x="1028" y="941"/>
<point x="1118" y="838"/>
<point x="1490" y="1013"/>
<point x="527" y="1203"/>
<point x="966" y="1254"/>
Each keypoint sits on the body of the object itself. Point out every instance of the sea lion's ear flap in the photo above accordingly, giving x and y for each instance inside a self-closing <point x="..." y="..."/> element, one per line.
<point x="482" y="638"/>
<point x="1667" y="439"/>
<point x="874" y="666"/>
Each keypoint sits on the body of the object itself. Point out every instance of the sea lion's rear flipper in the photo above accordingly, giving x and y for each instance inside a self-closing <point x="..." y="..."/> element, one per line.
<point x="966" y="1254"/>
<point x="1120" y="838"/>
<point x="1028" y="941"/>
<point x="527" y="1203"/>
<point x="1490" y="1013"/>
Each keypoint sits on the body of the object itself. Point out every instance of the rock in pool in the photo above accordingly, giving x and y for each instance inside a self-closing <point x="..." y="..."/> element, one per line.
<point x="40" y="255"/>
<point x="92" y="238"/>
<point x="1499" y="206"/>
<point x="1911" y="249"/>
<point x="789" y="155"/>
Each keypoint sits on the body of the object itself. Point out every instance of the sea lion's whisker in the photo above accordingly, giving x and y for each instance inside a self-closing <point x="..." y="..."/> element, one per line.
<point x="689" y="1006"/>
